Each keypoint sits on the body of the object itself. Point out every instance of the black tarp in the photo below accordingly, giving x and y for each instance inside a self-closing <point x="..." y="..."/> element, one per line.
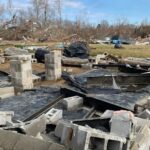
<point x="77" y="49"/>
<point x="40" y="55"/>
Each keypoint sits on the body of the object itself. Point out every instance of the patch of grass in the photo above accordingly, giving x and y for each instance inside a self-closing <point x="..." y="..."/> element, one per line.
<point x="126" y="51"/>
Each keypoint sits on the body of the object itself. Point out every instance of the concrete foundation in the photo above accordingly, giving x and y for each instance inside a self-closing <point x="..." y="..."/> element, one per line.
<point x="21" y="72"/>
<point x="53" y="65"/>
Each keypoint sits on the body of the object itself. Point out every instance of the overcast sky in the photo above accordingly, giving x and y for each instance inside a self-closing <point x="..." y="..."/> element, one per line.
<point x="94" y="11"/>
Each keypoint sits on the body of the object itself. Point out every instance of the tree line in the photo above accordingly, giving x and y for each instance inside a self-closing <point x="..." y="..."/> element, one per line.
<point x="48" y="15"/>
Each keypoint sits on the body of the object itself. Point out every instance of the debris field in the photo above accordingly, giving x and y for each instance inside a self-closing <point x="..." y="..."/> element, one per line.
<point x="59" y="99"/>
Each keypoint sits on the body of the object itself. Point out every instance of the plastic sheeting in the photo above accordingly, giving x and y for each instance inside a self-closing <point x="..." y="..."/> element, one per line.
<point x="77" y="49"/>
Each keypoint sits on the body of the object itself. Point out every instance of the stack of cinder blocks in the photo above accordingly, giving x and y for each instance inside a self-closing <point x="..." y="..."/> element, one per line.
<point x="83" y="138"/>
<point x="53" y="65"/>
<point x="21" y="72"/>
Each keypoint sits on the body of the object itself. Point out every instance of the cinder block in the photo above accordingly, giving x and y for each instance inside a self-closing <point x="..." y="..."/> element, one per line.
<point x="64" y="131"/>
<point x="59" y="128"/>
<point x="145" y="114"/>
<point x="34" y="60"/>
<point x="142" y="141"/>
<point x="120" y="127"/>
<point x="114" y="145"/>
<point x="6" y="136"/>
<point x="54" y="115"/>
<point x="121" y="123"/>
<point x="107" y="114"/>
<point x="86" y="138"/>
<point x="148" y="103"/>
<point x="14" y="141"/>
<point x="77" y="137"/>
<point x="6" y="116"/>
<point x="6" y="92"/>
<point x="72" y="103"/>
<point x="36" y="126"/>
<point x="53" y="65"/>
<point x="21" y="72"/>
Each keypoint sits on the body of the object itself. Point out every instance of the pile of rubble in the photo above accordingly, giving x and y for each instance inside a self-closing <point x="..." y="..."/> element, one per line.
<point x="98" y="109"/>
<point x="114" y="130"/>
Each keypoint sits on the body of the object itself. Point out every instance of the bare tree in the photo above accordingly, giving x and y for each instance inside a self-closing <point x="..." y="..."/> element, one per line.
<point x="46" y="10"/>
<point x="10" y="8"/>
<point x="22" y="16"/>
<point x="37" y="5"/>
<point x="2" y="10"/>
<point x="58" y="5"/>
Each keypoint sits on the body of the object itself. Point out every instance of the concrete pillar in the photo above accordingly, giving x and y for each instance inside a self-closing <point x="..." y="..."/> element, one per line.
<point x="21" y="72"/>
<point x="53" y="65"/>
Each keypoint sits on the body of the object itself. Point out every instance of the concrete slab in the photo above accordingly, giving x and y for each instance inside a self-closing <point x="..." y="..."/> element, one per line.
<point x="14" y="141"/>
<point x="36" y="126"/>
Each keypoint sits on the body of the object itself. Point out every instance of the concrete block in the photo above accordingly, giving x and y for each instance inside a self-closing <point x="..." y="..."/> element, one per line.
<point x="114" y="145"/>
<point x="99" y="58"/>
<point x="36" y="126"/>
<point x="59" y="128"/>
<point x="121" y="123"/>
<point x="86" y="138"/>
<point x="6" y="116"/>
<point x="54" y="146"/>
<point x="8" y="139"/>
<point x="54" y="115"/>
<point x="36" y="78"/>
<point x="107" y="114"/>
<point x="145" y="114"/>
<point x="21" y="57"/>
<point x="142" y="141"/>
<point x="87" y="66"/>
<point x="77" y="137"/>
<point x="2" y="60"/>
<point x="64" y="131"/>
<point x="14" y="141"/>
<point x="139" y="122"/>
<point x="72" y="103"/>
<point x="21" y="72"/>
<point x="53" y="65"/>
<point x="148" y="103"/>
<point x="6" y="92"/>
<point x="34" y="60"/>
<point x="121" y="128"/>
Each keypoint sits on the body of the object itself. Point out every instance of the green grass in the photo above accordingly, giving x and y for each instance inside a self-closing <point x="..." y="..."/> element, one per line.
<point x="126" y="51"/>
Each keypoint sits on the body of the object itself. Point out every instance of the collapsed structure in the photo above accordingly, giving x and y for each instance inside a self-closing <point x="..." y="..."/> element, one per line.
<point x="97" y="109"/>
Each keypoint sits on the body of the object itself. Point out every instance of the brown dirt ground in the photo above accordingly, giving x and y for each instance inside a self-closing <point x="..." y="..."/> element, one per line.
<point x="39" y="68"/>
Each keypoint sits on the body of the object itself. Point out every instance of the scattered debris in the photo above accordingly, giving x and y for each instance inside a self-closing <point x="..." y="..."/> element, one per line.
<point x="97" y="109"/>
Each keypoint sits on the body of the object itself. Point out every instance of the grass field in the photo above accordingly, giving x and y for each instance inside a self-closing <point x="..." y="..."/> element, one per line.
<point x="126" y="51"/>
